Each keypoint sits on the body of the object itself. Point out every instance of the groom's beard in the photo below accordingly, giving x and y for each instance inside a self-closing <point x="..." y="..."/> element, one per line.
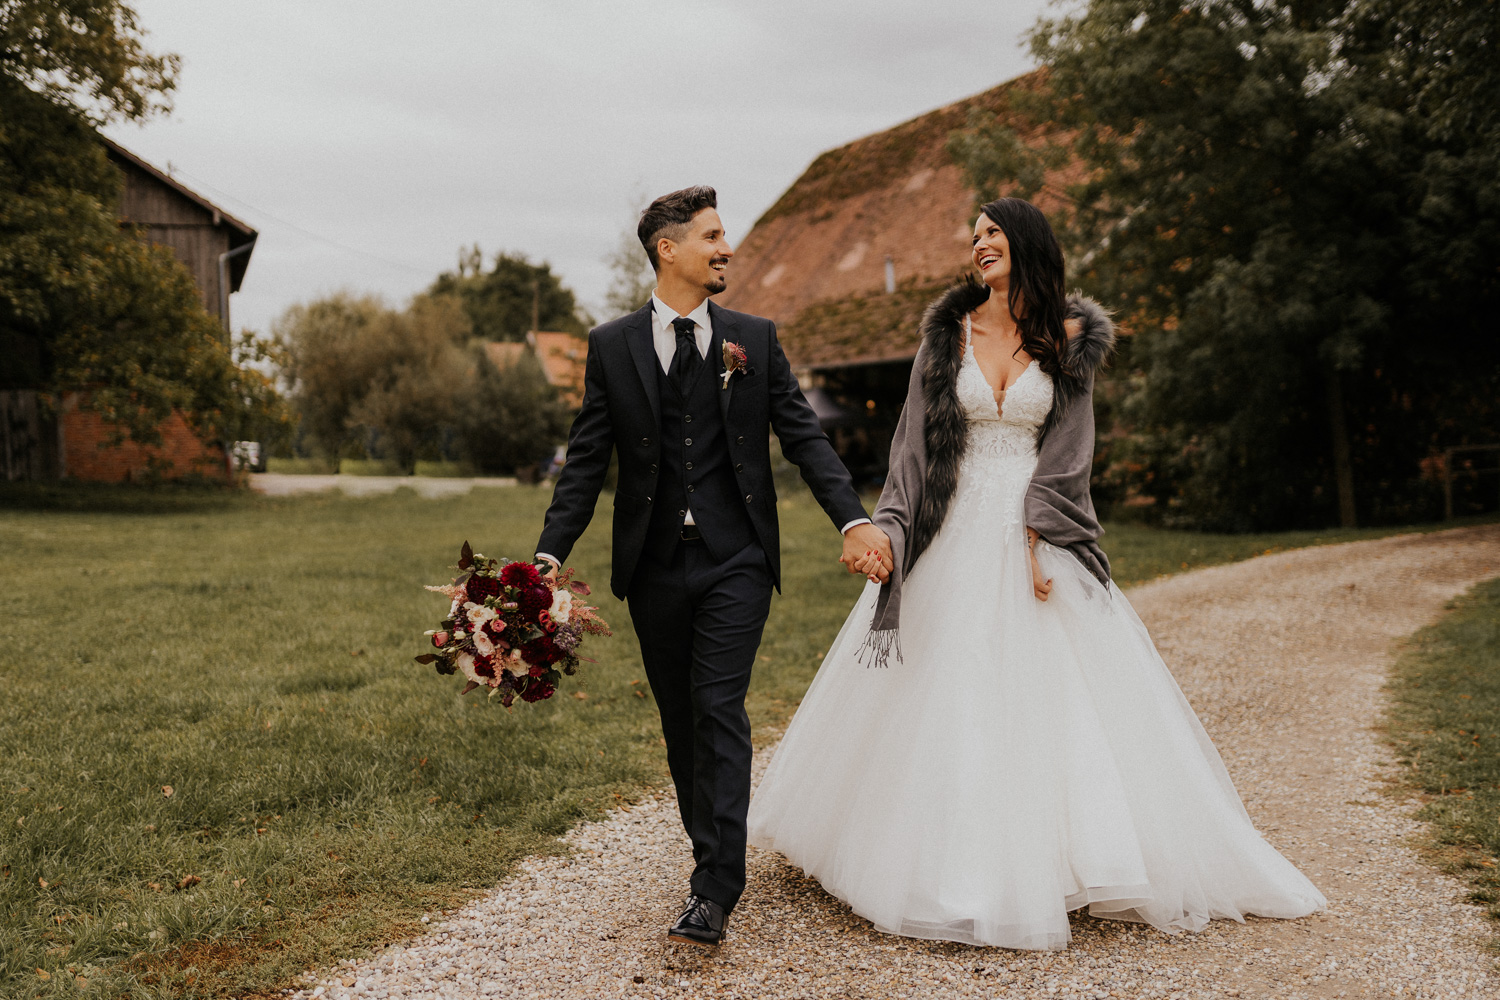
<point x="718" y="282"/>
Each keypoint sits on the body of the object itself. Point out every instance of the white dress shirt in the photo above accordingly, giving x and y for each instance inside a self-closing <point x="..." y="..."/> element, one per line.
<point x="664" y="334"/>
<point x="664" y="339"/>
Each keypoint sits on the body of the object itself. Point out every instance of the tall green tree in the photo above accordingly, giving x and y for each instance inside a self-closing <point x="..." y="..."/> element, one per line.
<point x="83" y="303"/>
<point x="511" y="298"/>
<point x="1283" y="201"/>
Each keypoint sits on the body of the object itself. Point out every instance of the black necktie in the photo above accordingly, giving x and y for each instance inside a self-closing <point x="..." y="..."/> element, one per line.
<point x="686" y="359"/>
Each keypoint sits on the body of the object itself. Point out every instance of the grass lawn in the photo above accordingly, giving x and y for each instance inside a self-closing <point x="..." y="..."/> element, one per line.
<point x="1445" y="723"/>
<point x="220" y="767"/>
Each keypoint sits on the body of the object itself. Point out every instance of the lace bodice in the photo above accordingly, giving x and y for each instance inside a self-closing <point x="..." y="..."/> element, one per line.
<point x="1001" y="452"/>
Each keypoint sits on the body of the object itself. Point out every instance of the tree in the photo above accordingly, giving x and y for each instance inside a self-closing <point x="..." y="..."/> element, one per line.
<point x="1276" y="220"/>
<point x="83" y="304"/>
<point x="87" y="55"/>
<point x="371" y="381"/>
<point x="632" y="279"/>
<point x="514" y="418"/>
<point x="513" y="297"/>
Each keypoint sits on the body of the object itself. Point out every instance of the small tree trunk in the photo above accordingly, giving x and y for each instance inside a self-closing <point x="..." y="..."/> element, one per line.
<point x="1343" y="465"/>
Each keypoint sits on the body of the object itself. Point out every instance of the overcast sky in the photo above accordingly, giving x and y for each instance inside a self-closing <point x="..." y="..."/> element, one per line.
<point x="368" y="141"/>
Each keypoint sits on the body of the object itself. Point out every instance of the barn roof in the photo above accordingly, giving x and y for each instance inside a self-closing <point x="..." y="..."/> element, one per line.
<point x="892" y="205"/>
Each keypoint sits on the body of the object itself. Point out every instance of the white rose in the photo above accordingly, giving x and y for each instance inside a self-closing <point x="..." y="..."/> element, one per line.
<point x="479" y="614"/>
<point x="562" y="606"/>
<point x="466" y="665"/>
<point x="482" y="642"/>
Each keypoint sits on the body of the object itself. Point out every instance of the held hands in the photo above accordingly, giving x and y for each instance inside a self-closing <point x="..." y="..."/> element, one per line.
<point x="867" y="550"/>
<point x="1040" y="585"/>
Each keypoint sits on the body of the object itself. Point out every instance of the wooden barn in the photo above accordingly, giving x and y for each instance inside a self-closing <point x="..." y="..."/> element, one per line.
<point x="215" y="247"/>
<point x="849" y="256"/>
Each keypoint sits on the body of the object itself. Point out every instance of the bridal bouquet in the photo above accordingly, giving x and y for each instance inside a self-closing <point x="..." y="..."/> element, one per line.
<point x="511" y="630"/>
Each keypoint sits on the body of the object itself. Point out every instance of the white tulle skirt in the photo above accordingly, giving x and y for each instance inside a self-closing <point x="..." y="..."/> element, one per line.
<point x="1021" y="760"/>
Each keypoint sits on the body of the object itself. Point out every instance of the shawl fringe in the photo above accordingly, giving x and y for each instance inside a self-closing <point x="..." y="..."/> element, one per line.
<point x="878" y="646"/>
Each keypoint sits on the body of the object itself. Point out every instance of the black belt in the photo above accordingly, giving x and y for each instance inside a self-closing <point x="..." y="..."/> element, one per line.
<point x="690" y="533"/>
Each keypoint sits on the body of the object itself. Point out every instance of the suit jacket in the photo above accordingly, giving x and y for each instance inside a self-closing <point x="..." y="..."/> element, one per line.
<point x="622" y="413"/>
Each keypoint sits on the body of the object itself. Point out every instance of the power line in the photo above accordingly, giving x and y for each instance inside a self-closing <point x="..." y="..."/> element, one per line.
<point x="246" y="206"/>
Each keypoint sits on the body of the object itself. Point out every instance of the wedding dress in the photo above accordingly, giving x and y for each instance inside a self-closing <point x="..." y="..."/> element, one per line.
<point x="1021" y="759"/>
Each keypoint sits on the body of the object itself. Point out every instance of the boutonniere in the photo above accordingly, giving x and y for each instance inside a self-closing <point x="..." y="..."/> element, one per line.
<point x="735" y="360"/>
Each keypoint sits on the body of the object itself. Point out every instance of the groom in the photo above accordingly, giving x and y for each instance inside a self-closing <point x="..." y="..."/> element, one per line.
<point x="687" y="394"/>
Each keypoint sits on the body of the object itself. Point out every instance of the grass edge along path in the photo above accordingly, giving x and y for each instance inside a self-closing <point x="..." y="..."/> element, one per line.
<point x="1443" y="721"/>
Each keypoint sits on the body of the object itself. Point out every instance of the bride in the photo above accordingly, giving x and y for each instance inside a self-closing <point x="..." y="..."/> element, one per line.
<point x="1024" y="751"/>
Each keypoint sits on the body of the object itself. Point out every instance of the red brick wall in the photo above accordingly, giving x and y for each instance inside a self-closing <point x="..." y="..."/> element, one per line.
<point x="83" y="430"/>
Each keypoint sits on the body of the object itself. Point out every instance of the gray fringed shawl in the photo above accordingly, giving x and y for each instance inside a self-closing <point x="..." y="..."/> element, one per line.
<point x="932" y="433"/>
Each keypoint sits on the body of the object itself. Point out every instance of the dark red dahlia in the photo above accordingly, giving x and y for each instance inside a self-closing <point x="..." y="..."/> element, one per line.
<point x="521" y="576"/>
<point x="541" y="652"/>
<point x="484" y="666"/>
<point x="538" y="691"/>
<point x="480" y="587"/>
<point x="534" y="600"/>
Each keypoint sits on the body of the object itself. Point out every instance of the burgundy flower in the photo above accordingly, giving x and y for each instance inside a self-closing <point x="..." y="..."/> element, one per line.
<point x="534" y="600"/>
<point x="538" y="691"/>
<point x="480" y="587"/>
<point x="521" y="576"/>
<point x="541" y="652"/>
<point x="484" y="666"/>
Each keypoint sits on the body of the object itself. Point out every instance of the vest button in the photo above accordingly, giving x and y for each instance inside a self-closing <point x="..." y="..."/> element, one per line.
<point x="739" y="466"/>
<point x="653" y="470"/>
<point x="648" y="499"/>
<point x="645" y="442"/>
<point x="748" y="498"/>
<point x="687" y="418"/>
<point x="690" y="466"/>
<point x="740" y="439"/>
<point x="682" y="513"/>
<point x="687" y="442"/>
<point x="690" y="487"/>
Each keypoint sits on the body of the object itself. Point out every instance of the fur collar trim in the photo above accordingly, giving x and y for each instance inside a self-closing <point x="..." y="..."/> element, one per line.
<point x="945" y="431"/>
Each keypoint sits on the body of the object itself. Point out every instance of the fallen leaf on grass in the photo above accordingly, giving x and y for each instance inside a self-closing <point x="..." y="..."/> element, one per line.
<point x="167" y="791"/>
<point x="44" y="974"/>
<point x="581" y="695"/>
<point x="154" y="886"/>
<point x="237" y="882"/>
<point x="188" y="881"/>
<point x="434" y="800"/>
<point x="639" y="693"/>
<point x="42" y="882"/>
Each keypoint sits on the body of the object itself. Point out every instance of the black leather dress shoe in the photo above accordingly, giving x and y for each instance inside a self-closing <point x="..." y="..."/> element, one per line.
<point x="702" y="922"/>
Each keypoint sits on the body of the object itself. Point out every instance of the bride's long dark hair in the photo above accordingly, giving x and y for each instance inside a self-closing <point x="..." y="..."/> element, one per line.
<point x="1037" y="297"/>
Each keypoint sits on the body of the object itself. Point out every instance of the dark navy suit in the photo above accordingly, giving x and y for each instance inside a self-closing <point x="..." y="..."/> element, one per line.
<point x="698" y="606"/>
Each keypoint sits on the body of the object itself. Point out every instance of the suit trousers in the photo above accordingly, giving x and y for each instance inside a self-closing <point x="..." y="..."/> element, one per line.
<point x="699" y="623"/>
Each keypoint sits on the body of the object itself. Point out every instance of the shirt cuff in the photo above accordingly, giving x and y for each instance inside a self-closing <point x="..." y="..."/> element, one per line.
<point x="854" y="523"/>
<point x="550" y="558"/>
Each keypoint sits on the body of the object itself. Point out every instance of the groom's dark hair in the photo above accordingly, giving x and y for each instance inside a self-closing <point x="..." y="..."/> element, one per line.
<point x="668" y="216"/>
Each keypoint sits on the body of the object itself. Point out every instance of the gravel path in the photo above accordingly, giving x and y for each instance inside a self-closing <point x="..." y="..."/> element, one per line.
<point x="1282" y="656"/>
